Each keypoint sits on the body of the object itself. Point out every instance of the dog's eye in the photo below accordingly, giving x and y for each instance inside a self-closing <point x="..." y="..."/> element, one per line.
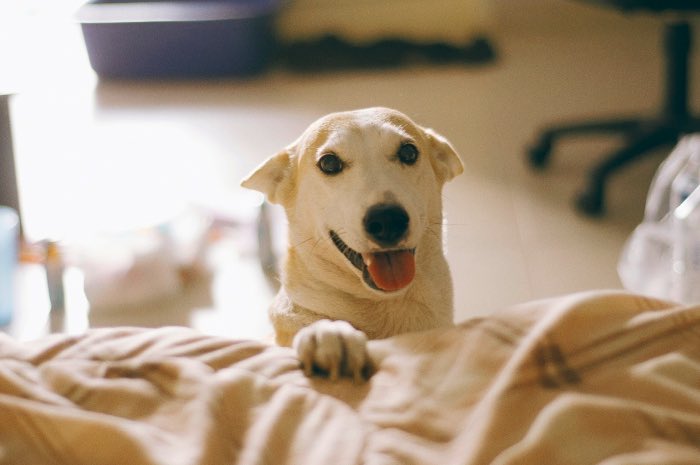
<point x="330" y="164"/>
<point x="408" y="154"/>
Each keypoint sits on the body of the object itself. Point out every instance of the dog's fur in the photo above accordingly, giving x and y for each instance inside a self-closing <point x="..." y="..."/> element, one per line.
<point x="325" y="308"/>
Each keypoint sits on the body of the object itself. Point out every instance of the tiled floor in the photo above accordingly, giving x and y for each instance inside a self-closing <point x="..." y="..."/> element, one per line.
<point x="104" y="155"/>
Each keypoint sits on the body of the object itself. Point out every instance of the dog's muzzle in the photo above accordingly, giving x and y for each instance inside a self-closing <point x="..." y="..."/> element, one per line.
<point x="386" y="271"/>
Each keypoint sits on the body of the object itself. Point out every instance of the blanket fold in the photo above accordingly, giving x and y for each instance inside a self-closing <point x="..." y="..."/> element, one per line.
<point x="603" y="377"/>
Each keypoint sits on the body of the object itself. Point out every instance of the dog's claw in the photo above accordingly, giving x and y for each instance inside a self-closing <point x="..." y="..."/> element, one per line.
<point x="357" y="375"/>
<point x="334" y="348"/>
<point x="307" y="365"/>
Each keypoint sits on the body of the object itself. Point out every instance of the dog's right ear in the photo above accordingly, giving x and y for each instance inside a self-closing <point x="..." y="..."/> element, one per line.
<point x="273" y="177"/>
<point x="445" y="160"/>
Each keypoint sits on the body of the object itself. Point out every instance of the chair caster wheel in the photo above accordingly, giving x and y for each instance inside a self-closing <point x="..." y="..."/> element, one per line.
<point x="538" y="154"/>
<point x="590" y="203"/>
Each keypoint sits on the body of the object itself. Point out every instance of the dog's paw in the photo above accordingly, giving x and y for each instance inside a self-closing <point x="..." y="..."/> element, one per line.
<point x="334" y="348"/>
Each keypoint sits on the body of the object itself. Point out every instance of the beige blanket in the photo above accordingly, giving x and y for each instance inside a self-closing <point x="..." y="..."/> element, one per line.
<point x="596" y="378"/>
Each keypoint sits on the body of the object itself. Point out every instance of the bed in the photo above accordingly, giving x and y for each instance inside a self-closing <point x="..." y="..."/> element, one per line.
<point x="601" y="377"/>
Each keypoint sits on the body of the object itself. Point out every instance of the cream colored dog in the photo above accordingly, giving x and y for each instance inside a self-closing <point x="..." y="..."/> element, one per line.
<point x="362" y="193"/>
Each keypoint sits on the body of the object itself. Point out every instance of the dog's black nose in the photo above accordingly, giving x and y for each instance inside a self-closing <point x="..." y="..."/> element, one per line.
<point x="386" y="224"/>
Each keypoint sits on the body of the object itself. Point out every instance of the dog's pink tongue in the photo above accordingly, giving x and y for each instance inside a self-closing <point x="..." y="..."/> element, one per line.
<point x="391" y="271"/>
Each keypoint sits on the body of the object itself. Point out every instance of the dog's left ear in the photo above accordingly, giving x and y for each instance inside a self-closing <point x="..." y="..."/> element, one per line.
<point x="273" y="177"/>
<point x="444" y="159"/>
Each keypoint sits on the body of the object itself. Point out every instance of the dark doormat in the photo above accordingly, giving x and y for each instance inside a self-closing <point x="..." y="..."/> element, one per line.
<point x="331" y="53"/>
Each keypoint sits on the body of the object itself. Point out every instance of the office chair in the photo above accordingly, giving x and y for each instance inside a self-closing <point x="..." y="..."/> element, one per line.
<point x="643" y="134"/>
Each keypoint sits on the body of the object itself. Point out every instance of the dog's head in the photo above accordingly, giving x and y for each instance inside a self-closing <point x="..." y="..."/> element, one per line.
<point x="368" y="184"/>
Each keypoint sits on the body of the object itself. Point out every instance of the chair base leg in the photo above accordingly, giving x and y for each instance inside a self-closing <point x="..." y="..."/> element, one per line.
<point x="540" y="152"/>
<point x="592" y="200"/>
<point x="643" y="137"/>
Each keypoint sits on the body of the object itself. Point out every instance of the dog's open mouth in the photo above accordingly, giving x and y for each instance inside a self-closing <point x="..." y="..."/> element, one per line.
<point x="386" y="271"/>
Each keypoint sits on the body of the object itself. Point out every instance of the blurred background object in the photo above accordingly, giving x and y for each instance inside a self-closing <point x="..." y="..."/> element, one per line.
<point x="9" y="194"/>
<point x="178" y="38"/>
<point x="9" y="253"/>
<point x="449" y="21"/>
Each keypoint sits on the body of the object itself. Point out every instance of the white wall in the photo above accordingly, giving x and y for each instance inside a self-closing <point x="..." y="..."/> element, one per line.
<point x="569" y="16"/>
<point x="453" y="20"/>
<point x="366" y="20"/>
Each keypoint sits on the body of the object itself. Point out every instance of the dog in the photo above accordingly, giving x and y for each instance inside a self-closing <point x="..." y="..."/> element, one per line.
<point x="362" y="191"/>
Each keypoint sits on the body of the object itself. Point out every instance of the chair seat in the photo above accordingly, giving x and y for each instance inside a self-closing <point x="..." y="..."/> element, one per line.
<point x="651" y="5"/>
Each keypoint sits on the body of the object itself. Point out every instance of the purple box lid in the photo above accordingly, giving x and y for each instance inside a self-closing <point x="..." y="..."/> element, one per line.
<point x="135" y="39"/>
<point x="128" y="11"/>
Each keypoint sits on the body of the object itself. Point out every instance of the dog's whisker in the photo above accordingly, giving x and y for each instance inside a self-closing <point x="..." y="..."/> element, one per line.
<point x="302" y="242"/>
<point x="318" y="241"/>
<point x="434" y="233"/>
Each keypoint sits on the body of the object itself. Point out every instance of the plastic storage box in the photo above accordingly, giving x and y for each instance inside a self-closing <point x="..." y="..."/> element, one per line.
<point x="136" y="39"/>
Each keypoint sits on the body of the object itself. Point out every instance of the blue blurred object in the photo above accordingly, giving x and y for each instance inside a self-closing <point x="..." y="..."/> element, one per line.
<point x="205" y="38"/>
<point x="9" y="253"/>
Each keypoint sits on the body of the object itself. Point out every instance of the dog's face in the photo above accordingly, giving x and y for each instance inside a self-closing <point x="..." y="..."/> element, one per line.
<point x="368" y="184"/>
